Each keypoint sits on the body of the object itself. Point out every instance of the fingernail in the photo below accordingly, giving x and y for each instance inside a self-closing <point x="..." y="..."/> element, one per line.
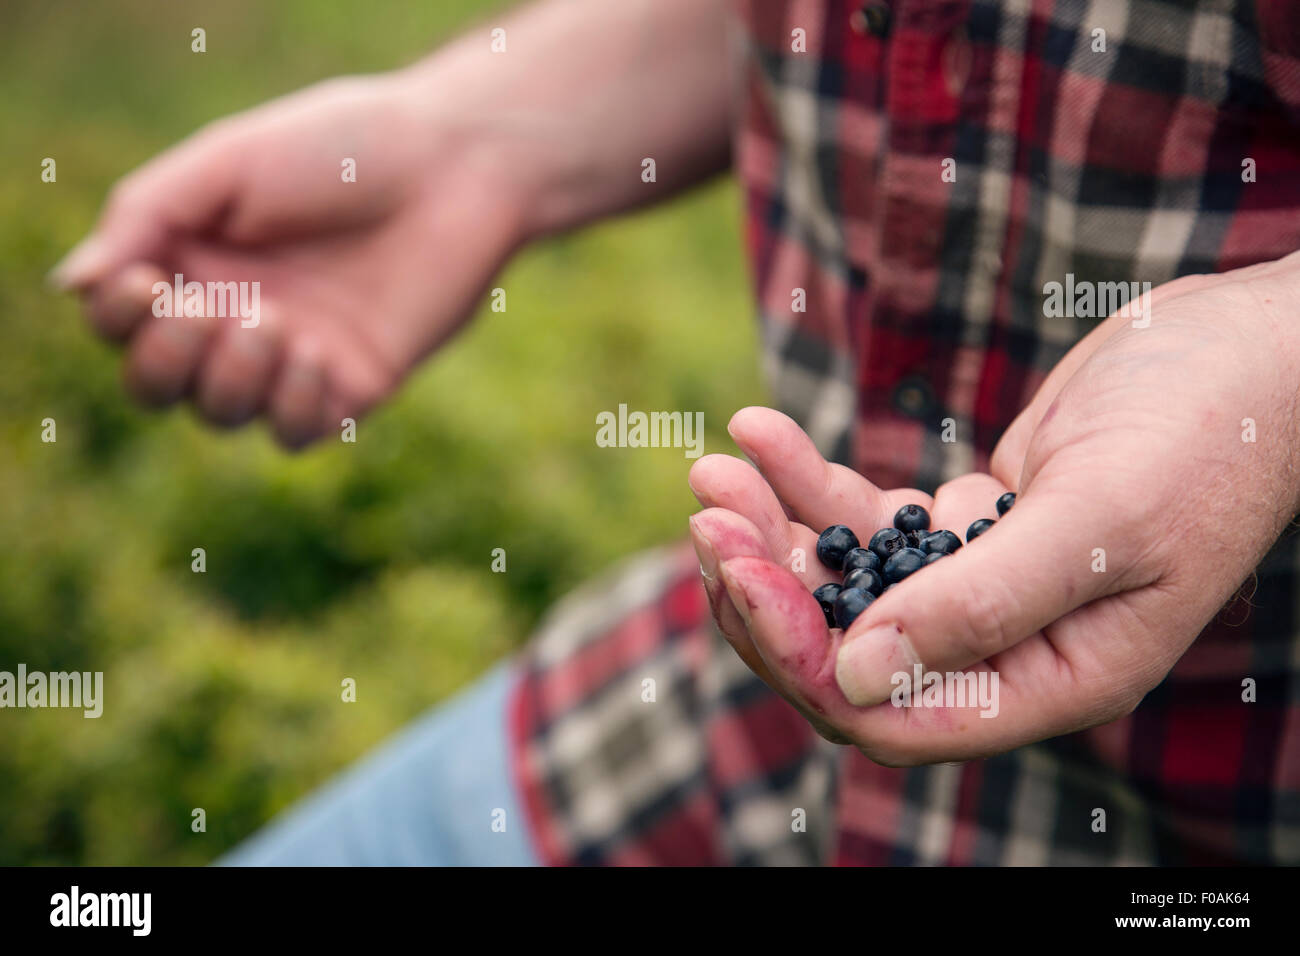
<point x="867" y="664"/>
<point x="744" y="448"/>
<point x="79" y="266"/>
<point x="704" y="551"/>
<point x="736" y="591"/>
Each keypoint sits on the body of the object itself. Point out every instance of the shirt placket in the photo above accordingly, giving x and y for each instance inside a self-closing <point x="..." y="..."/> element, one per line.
<point x="926" y="59"/>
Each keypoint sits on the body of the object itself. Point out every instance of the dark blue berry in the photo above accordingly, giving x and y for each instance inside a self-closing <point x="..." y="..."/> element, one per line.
<point x="851" y="603"/>
<point x="835" y="542"/>
<point x="903" y="563"/>
<point x="886" y="542"/>
<point x="912" y="518"/>
<point x="1005" y="503"/>
<point x="940" y="542"/>
<point x="862" y="558"/>
<point x="934" y="556"/>
<point x="914" y="538"/>
<point x="826" y="595"/>
<point x="977" y="528"/>
<point x="864" y="578"/>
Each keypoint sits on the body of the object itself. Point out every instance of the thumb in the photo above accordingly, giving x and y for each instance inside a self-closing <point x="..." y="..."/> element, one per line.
<point x="1032" y="567"/>
<point x="185" y="189"/>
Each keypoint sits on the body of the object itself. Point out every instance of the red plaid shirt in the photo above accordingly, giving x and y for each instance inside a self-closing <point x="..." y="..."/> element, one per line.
<point x="1117" y="141"/>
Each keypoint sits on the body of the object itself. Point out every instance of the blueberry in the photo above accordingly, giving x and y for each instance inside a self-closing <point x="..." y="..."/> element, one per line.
<point x="826" y="595"/>
<point x="903" y="563"/>
<point x="912" y="518"/>
<point x="1005" y="503"/>
<point x="914" y="538"/>
<point x="934" y="556"/>
<point x="977" y="528"/>
<point x="886" y="542"/>
<point x="864" y="578"/>
<point x="940" y="542"/>
<point x="862" y="558"/>
<point x="835" y="542"/>
<point x="851" y="603"/>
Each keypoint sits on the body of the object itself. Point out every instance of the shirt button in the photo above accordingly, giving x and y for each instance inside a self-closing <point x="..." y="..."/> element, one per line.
<point x="956" y="62"/>
<point x="871" y="18"/>
<point x="913" y="397"/>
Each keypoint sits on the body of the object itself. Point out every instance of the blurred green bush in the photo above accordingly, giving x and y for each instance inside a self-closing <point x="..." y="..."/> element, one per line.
<point x="368" y="561"/>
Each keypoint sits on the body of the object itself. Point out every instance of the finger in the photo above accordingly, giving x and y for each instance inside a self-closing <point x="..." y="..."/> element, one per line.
<point x="788" y="630"/>
<point x="964" y="500"/>
<point x="297" y="402"/>
<point x="721" y="481"/>
<point x="1023" y="695"/>
<point x="1032" y="567"/>
<point x="356" y="381"/>
<point x="720" y="535"/>
<point x="235" y="379"/>
<point x="1089" y="668"/>
<point x="164" y="357"/>
<point x="119" y="304"/>
<point x="188" y="188"/>
<point x="819" y="493"/>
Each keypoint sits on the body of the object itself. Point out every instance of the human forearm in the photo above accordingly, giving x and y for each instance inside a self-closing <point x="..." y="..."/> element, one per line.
<point x="584" y="91"/>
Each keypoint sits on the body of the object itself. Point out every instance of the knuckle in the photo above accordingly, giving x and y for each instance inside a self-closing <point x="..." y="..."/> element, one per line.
<point x="124" y="195"/>
<point x="983" y="629"/>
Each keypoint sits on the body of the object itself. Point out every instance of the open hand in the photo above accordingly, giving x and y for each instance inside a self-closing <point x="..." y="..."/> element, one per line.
<point x="1145" y="499"/>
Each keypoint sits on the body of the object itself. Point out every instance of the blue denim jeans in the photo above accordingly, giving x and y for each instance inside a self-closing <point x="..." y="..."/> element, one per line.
<point x="428" y="797"/>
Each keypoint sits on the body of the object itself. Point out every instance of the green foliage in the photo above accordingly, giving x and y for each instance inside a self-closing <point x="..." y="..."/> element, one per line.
<point x="371" y="561"/>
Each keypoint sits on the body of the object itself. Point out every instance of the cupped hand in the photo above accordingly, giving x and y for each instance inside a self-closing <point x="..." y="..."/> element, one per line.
<point x="1154" y="469"/>
<point x="358" y="279"/>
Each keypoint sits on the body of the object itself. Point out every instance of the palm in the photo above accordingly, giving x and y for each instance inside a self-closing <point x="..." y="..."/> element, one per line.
<point x="1130" y="532"/>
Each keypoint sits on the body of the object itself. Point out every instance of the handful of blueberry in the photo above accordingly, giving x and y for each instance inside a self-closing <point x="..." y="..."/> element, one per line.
<point x="890" y="556"/>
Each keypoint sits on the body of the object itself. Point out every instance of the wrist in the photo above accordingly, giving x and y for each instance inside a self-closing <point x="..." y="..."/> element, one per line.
<point x="514" y="155"/>
<point x="564" y="121"/>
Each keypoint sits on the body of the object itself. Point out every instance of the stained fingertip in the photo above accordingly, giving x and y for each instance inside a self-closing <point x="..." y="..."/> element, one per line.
<point x="727" y="534"/>
<point x="733" y="580"/>
<point x="785" y="620"/>
<point x="731" y="484"/>
<point x="788" y="629"/>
